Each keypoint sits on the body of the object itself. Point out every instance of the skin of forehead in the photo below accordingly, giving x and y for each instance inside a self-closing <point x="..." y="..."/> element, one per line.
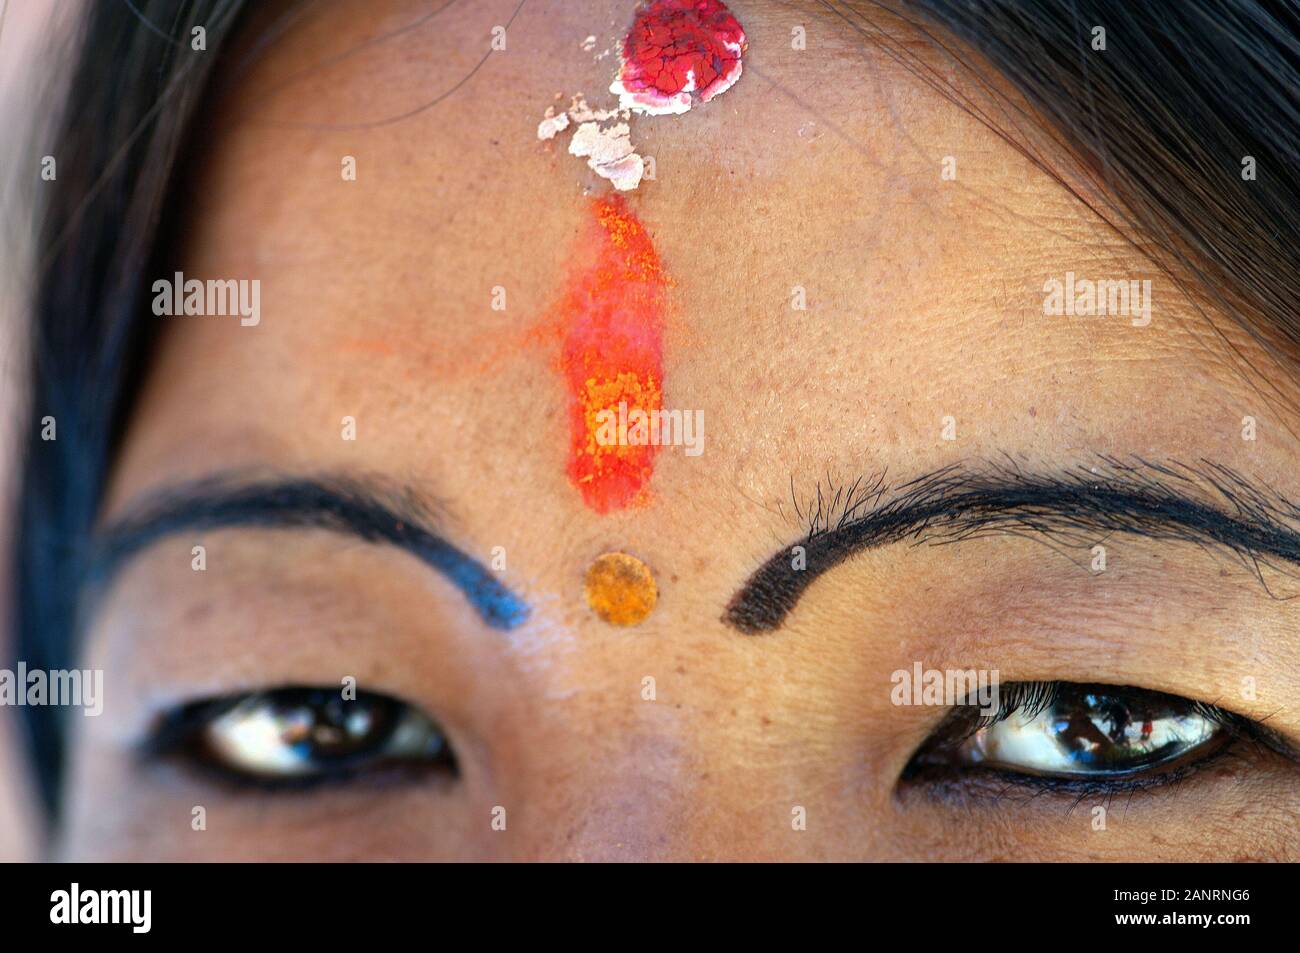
<point x="814" y="176"/>
<point x="817" y="177"/>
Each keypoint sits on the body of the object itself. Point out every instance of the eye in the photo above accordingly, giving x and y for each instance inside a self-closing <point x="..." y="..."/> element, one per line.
<point x="1066" y="731"/>
<point x="302" y="734"/>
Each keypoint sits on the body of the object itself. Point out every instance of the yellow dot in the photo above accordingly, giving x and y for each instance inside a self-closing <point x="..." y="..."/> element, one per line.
<point x="620" y="588"/>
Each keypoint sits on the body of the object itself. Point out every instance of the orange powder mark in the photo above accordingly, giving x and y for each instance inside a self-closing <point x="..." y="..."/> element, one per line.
<point x="612" y="314"/>
<point x="620" y="588"/>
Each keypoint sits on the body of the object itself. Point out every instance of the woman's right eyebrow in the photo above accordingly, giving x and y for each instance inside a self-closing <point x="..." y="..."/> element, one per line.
<point x="368" y="508"/>
<point x="1207" y="504"/>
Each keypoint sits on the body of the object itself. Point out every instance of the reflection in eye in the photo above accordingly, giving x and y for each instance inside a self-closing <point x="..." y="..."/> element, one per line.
<point x="1089" y="732"/>
<point x="303" y="734"/>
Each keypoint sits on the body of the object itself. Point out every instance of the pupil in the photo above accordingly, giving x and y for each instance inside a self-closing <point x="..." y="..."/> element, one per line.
<point x="1104" y="731"/>
<point x="322" y="726"/>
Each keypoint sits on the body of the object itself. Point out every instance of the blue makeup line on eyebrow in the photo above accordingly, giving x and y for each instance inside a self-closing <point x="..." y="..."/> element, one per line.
<point x="351" y="507"/>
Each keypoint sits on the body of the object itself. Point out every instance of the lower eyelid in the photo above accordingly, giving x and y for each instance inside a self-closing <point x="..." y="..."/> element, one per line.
<point x="970" y="785"/>
<point x="197" y="769"/>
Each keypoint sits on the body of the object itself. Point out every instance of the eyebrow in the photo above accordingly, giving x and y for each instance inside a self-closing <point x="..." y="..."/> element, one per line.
<point x="1207" y="504"/>
<point x="366" y="508"/>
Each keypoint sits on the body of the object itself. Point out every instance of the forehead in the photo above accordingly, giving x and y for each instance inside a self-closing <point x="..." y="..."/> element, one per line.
<point x="860" y="271"/>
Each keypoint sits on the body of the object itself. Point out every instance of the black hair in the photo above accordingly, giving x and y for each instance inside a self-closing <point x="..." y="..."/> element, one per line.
<point x="1163" y="119"/>
<point x="131" y="101"/>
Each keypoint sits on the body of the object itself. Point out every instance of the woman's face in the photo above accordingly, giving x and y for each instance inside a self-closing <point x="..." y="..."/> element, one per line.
<point x="850" y="288"/>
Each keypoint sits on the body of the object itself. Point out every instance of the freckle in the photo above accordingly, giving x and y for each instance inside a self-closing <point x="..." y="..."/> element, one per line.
<point x="765" y="721"/>
<point x="681" y="670"/>
<point x="1033" y="412"/>
<point x="198" y="613"/>
<point x="620" y="589"/>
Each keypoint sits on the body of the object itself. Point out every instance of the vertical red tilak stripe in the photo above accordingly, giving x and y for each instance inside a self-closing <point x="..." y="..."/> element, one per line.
<point x="612" y="313"/>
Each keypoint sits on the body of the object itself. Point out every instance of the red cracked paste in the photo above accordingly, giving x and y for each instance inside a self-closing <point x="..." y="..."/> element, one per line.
<point x="677" y="47"/>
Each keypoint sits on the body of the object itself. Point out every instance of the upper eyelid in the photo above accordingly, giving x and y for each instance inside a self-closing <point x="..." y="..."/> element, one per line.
<point x="1040" y="695"/>
<point x="170" y="726"/>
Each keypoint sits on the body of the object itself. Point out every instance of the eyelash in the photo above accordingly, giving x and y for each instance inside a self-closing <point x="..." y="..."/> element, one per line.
<point x="1031" y="698"/>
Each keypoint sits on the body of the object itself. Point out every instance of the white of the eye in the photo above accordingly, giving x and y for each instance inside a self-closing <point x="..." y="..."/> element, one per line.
<point x="1030" y="742"/>
<point x="258" y="739"/>
<point x="415" y="735"/>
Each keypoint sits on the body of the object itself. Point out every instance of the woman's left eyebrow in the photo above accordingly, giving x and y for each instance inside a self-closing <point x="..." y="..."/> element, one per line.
<point x="368" y="508"/>
<point x="1207" y="504"/>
